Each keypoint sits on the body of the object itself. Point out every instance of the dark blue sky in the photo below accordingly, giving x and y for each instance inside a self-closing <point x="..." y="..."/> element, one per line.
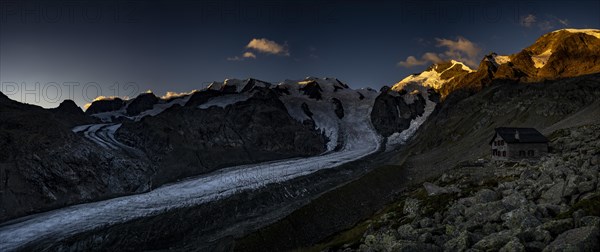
<point x="81" y="49"/>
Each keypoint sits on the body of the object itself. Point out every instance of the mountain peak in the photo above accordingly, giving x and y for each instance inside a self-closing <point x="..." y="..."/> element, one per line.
<point x="69" y="106"/>
<point x="436" y="75"/>
<point x="591" y="32"/>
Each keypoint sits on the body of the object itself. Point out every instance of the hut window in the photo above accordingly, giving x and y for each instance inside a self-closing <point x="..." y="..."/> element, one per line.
<point x="504" y="153"/>
<point x="530" y="153"/>
<point x="521" y="153"/>
<point x="494" y="152"/>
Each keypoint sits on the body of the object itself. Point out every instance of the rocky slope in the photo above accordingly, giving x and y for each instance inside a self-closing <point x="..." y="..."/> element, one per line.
<point x="546" y="205"/>
<point x="44" y="165"/>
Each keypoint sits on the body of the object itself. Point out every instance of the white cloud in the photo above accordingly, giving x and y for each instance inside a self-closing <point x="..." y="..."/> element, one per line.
<point x="564" y="22"/>
<point x="171" y="94"/>
<point x="245" y="55"/>
<point x="249" y="55"/>
<point x="411" y="61"/>
<point x="460" y="49"/>
<point x="545" y="25"/>
<point x="264" y="45"/>
<point x="235" y="58"/>
<point x="528" y="20"/>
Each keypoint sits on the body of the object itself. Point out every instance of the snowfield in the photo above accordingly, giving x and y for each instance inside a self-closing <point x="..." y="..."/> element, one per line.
<point x="359" y="139"/>
<point x="540" y="60"/>
<point x="430" y="78"/>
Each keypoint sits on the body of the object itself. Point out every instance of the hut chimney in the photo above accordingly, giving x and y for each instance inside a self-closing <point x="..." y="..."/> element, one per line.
<point x="517" y="134"/>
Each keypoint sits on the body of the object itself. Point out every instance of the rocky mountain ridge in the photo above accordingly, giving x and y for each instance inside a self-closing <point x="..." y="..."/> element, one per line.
<point x="560" y="54"/>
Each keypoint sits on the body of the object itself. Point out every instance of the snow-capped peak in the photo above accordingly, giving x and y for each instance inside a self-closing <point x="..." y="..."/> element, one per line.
<point x="497" y="59"/>
<point x="432" y="77"/>
<point x="592" y="32"/>
<point x="463" y="66"/>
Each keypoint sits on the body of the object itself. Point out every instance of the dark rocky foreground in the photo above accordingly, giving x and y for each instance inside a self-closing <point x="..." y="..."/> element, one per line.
<point x="551" y="204"/>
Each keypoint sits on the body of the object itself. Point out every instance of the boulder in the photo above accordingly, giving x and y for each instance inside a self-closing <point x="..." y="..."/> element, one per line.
<point x="554" y="194"/>
<point x="537" y="234"/>
<point x="556" y="227"/>
<point x="578" y="239"/>
<point x="411" y="207"/>
<point x="520" y="218"/>
<point x="425" y="237"/>
<point x="585" y="186"/>
<point x="494" y="241"/>
<point x="485" y="212"/>
<point x="415" y="246"/>
<point x="515" y="200"/>
<point x="460" y="243"/>
<point x="485" y="196"/>
<point x="590" y="221"/>
<point x="573" y="182"/>
<point x="513" y="245"/>
<point x="426" y="222"/>
<point x="407" y="232"/>
<point x="433" y="189"/>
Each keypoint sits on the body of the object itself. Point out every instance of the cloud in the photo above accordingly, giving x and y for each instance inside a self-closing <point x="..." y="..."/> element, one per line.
<point x="545" y="25"/>
<point x="249" y="55"/>
<point x="563" y="22"/>
<point x="411" y="61"/>
<point x="245" y="55"/>
<point x="235" y="58"/>
<point x="313" y="52"/>
<point x="460" y="49"/>
<point x="171" y="94"/>
<point x="528" y="20"/>
<point x="264" y="45"/>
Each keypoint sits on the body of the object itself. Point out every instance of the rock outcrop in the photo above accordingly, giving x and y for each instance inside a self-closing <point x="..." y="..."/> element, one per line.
<point x="44" y="165"/>
<point x="105" y="105"/>
<point x="391" y="113"/>
<point x="141" y="103"/>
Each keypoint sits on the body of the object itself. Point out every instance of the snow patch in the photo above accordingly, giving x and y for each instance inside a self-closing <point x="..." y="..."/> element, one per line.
<point x="498" y="60"/>
<point x="162" y="105"/>
<point x="225" y="100"/>
<point x="399" y="138"/>
<point x="592" y="32"/>
<point x="430" y="78"/>
<point x="540" y="60"/>
<point x="463" y="66"/>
